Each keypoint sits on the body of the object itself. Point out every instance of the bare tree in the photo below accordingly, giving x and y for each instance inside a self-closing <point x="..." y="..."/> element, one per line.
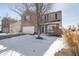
<point x="41" y="9"/>
<point x="21" y="8"/>
<point x="38" y="8"/>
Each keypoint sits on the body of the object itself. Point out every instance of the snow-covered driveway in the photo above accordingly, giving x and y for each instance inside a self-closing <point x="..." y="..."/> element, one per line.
<point x="25" y="45"/>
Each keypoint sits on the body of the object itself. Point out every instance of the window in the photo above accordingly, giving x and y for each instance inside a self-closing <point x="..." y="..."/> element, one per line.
<point x="42" y="29"/>
<point x="46" y="17"/>
<point x="43" y="17"/>
<point x="28" y="18"/>
<point x="55" y="15"/>
<point x="50" y="28"/>
<point x="49" y="17"/>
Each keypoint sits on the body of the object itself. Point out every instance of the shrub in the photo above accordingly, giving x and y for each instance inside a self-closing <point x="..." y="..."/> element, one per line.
<point x="71" y="37"/>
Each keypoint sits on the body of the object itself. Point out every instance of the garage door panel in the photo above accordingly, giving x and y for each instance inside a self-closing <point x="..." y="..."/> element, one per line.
<point x="28" y="29"/>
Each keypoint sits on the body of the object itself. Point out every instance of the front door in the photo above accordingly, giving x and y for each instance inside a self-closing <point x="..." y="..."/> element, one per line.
<point x="42" y="29"/>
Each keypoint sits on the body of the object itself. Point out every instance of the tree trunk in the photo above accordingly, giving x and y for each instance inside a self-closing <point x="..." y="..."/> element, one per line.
<point x="38" y="31"/>
<point x="38" y="20"/>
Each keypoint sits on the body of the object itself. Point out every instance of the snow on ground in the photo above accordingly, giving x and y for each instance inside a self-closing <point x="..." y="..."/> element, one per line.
<point x="26" y="45"/>
<point x="55" y="47"/>
<point x="4" y="34"/>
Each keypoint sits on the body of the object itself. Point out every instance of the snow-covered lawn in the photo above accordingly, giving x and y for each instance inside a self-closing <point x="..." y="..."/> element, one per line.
<point x="55" y="47"/>
<point x="26" y="45"/>
<point x="3" y="34"/>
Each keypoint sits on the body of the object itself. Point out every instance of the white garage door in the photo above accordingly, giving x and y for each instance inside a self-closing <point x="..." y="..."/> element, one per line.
<point x="28" y="29"/>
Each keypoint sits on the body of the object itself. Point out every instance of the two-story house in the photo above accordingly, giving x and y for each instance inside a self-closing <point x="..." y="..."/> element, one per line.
<point x="10" y="25"/>
<point x="50" y="22"/>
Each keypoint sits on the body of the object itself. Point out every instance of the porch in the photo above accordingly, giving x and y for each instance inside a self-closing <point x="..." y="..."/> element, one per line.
<point x="50" y="27"/>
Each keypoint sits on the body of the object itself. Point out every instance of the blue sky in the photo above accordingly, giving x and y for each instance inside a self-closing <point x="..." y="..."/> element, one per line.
<point x="5" y="10"/>
<point x="70" y="12"/>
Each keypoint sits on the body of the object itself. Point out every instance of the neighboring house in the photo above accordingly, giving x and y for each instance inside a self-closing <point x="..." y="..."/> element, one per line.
<point x="15" y="27"/>
<point x="10" y="25"/>
<point x="0" y="26"/>
<point x="50" y="22"/>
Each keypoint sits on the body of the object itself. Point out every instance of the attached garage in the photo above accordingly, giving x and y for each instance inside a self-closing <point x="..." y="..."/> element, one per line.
<point x="28" y="29"/>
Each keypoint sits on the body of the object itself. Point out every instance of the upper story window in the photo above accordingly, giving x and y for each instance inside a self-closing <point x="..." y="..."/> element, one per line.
<point x="49" y="17"/>
<point x="46" y="17"/>
<point x="28" y="18"/>
<point x="55" y="15"/>
<point x="43" y="17"/>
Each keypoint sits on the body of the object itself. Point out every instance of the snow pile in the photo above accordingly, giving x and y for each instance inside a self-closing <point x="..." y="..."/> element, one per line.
<point x="2" y="47"/>
<point x="4" y="34"/>
<point x="55" y="47"/>
<point x="26" y="45"/>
